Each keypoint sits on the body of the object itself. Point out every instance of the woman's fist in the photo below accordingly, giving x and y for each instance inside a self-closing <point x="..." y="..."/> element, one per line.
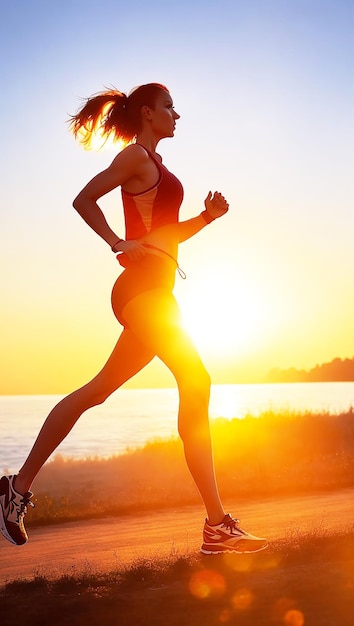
<point x="216" y="204"/>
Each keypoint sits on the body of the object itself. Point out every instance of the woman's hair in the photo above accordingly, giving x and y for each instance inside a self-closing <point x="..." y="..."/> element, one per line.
<point x="113" y="114"/>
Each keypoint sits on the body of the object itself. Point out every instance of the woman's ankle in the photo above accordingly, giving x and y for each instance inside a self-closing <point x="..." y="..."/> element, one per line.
<point x="19" y="485"/>
<point x="216" y="518"/>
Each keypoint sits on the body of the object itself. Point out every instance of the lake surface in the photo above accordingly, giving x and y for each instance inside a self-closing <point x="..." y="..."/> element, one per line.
<point x="133" y="416"/>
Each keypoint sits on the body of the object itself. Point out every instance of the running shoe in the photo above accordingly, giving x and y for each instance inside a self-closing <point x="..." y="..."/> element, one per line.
<point x="13" y="508"/>
<point x="229" y="537"/>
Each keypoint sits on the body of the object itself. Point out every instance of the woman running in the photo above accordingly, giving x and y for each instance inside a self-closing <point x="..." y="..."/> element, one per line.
<point x="142" y="301"/>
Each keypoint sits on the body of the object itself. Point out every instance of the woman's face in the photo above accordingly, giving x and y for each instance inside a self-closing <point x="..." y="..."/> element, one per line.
<point x="163" y="116"/>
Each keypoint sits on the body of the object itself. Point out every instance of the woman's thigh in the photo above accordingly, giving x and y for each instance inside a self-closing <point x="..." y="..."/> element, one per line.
<point x="150" y="273"/>
<point x="128" y="357"/>
<point x="155" y="318"/>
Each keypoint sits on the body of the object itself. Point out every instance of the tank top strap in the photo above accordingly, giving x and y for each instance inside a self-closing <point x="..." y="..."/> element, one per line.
<point x="153" y="155"/>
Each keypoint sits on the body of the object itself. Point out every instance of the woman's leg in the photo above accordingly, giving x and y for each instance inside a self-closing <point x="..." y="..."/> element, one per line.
<point x="155" y="319"/>
<point x="129" y="356"/>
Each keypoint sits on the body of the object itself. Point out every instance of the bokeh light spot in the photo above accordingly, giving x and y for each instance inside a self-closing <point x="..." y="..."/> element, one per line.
<point x="239" y="562"/>
<point x="242" y="599"/>
<point x="225" y="616"/>
<point x="294" y="618"/>
<point x="281" y="607"/>
<point x="207" y="583"/>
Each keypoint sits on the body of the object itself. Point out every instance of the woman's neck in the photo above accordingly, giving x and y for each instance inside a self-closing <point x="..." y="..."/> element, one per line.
<point x="147" y="140"/>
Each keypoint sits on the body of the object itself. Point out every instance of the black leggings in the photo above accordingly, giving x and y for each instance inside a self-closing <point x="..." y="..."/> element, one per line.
<point x="150" y="272"/>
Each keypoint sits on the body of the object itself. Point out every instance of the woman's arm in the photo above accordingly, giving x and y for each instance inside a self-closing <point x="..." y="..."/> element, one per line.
<point x="215" y="206"/>
<point x="124" y="167"/>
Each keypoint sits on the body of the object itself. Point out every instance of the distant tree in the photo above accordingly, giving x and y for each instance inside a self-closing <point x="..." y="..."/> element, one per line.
<point x="338" y="370"/>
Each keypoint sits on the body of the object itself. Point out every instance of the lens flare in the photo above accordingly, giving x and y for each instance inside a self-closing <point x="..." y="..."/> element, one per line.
<point x="281" y="607"/>
<point x="225" y="616"/>
<point x="239" y="562"/>
<point x="242" y="599"/>
<point x="294" y="618"/>
<point x="207" y="583"/>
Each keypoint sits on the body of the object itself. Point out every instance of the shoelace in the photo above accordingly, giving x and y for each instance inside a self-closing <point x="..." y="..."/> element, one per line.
<point x="26" y="500"/>
<point x="232" y="524"/>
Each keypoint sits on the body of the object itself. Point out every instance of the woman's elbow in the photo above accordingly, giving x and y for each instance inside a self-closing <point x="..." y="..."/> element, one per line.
<point x="80" y="202"/>
<point x="76" y="203"/>
<point x="83" y="203"/>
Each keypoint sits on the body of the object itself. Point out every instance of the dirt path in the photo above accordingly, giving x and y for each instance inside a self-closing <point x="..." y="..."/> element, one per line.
<point x="109" y="543"/>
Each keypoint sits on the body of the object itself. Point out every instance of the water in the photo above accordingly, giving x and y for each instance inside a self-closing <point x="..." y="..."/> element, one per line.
<point x="133" y="416"/>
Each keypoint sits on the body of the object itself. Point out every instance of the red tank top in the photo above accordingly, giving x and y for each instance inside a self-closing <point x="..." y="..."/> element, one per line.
<point x="157" y="206"/>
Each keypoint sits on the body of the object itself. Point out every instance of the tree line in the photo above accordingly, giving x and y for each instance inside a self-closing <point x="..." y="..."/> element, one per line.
<point x="338" y="370"/>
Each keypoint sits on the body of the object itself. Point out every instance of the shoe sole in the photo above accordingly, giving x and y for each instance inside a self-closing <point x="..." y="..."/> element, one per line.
<point x="4" y="531"/>
<point x="3" y="528"/>
<point x="232" y="551"/>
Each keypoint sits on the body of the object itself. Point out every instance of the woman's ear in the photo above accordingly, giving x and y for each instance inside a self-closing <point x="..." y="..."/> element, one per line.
<point x="146" y="112"/>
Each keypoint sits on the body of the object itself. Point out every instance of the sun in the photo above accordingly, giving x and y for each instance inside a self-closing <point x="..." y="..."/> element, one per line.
<point x="223" y="315"/>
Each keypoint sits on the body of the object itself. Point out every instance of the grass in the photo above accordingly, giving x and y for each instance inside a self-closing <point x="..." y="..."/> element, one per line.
<point x="303" y="579"/>
<point x="294" y="453"/>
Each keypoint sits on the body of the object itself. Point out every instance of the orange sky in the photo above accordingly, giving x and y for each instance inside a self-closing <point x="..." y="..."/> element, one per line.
<point x="265" y="118"/>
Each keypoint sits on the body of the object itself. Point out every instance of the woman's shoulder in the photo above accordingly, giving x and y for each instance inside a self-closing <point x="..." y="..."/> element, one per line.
<point x="139" y="152"/>
<point x="131" y="159"/>
<point x="134" y="152"/>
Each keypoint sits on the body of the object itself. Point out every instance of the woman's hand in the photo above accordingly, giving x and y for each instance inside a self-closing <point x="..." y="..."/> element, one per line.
<point x="132" y="248"/>
<point x="216" y="205"/>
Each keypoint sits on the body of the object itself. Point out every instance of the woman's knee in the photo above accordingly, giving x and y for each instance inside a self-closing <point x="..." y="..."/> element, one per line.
<point x="94" y="394"/>
<point x="194" y="403"/>
<point x="100" y="394"/>
<point x="196" y="381"/>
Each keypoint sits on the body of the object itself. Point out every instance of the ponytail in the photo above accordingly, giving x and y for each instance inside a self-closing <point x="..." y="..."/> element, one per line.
<point x="102" y="116"/>
<point x="113" y="115"/>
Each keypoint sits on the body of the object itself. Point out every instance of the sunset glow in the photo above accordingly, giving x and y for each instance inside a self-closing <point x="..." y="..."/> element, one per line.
<point x="266" y="119"/>
<point x="226" y="314"/>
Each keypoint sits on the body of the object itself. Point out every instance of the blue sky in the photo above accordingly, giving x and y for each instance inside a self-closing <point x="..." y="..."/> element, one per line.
<point x="265" y="90"/>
